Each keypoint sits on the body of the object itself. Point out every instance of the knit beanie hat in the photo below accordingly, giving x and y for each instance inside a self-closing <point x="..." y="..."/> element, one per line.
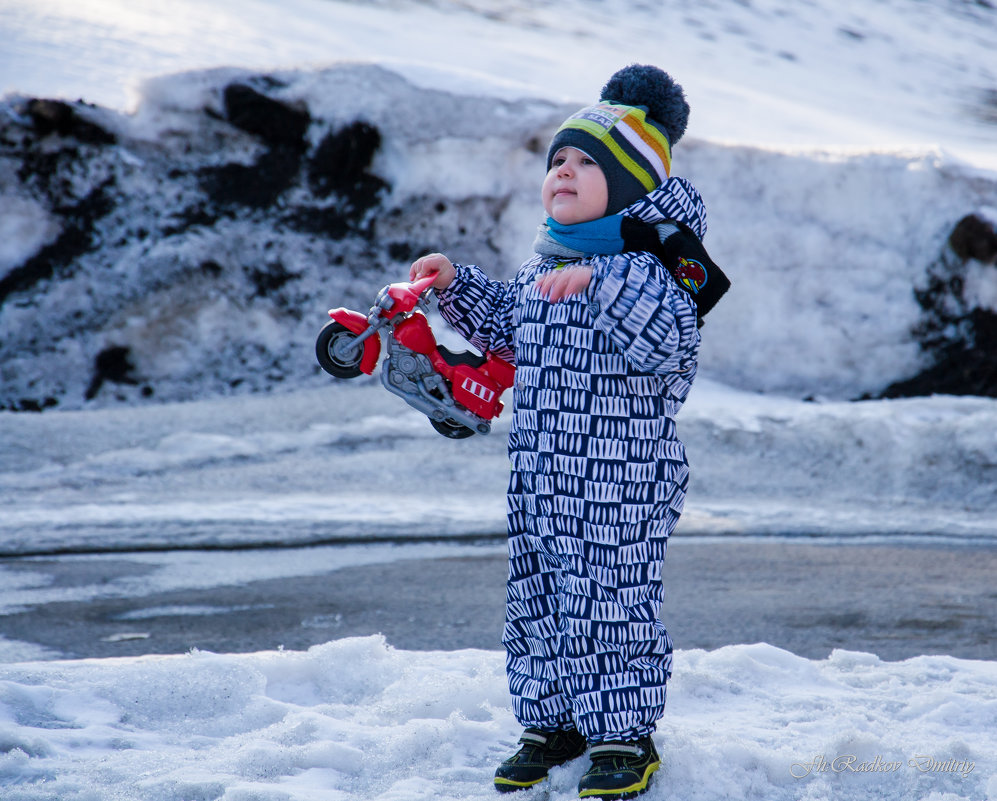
<point x="629" y="133"/>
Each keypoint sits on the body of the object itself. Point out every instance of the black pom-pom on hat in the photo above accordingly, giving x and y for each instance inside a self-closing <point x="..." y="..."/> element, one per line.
<point x="653" y="88"/>
<point x="629" y="133"/>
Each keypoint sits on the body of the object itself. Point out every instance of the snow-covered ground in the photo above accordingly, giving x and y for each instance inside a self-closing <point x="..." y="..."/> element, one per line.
<point x="351" y="462"/>
<point x="354" y="719"/>
<point x="836" y="144"/>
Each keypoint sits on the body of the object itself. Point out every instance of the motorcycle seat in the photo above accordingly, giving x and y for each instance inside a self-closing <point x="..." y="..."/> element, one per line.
<point x="464" y="357"/>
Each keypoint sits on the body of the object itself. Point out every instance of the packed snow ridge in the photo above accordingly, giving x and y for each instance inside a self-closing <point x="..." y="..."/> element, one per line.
<point x="190" y="249"/>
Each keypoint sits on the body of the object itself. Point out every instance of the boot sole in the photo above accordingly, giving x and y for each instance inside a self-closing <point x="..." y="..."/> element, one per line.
<point x="510" y="786"/>
<point x="632" y="791"/>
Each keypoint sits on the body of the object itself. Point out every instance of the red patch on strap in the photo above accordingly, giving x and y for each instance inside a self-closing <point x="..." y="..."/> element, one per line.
<point x="691" y="274"/>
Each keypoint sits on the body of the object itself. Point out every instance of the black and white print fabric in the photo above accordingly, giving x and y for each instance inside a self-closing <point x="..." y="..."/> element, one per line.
<point x="676" y="199"/>
<point x="598" y="480"/>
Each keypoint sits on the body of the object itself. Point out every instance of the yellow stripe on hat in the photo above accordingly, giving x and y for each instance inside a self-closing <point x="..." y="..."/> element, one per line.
<point x="603" y="135"/>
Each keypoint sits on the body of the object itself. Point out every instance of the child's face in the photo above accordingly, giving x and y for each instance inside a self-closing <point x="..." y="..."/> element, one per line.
<point x="575" y="188"/>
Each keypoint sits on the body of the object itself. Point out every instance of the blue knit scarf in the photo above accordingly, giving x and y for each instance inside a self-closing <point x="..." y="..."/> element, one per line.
<point x="601" y="236"/>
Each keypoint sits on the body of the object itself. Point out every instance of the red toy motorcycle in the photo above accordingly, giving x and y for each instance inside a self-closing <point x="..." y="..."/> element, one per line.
<point x="458" y="391"/>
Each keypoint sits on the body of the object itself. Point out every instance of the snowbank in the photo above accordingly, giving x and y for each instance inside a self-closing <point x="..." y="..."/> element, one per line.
<point x="826" y="250"/>
<point x="355" y="719"/>
<point x="191" y="249"/>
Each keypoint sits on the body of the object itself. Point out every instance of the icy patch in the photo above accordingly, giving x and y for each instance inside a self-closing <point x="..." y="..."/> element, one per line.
<point x="190" y="610"/>
<point x="176" y="571"/>
<point x="18" y="651"/>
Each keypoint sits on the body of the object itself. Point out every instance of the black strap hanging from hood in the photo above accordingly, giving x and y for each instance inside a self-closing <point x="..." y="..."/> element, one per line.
<point x="683" y="255"/>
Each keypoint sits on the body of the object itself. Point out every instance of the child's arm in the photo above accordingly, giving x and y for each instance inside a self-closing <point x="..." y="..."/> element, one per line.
<point x="641" y="308"/>
<point x="480" y="309"/>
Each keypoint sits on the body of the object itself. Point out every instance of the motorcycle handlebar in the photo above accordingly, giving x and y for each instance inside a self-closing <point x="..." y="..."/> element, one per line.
<point x="420" y="285"/>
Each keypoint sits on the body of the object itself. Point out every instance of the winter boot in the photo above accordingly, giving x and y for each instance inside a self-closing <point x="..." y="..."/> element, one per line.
<point x="540" y="751"/>
<point x="619" y="769"/>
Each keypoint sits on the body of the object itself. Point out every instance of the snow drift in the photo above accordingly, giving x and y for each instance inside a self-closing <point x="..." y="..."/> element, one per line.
<point x="355" y="719"/>
<point x="190" y="249"/>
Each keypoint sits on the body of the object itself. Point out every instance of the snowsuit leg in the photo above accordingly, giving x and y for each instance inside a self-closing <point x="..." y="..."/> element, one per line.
<point x="585" y="648"/>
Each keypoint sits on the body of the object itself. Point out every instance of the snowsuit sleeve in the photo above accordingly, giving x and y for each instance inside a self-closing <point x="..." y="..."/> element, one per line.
<point x="481" y="310"/>
<point x="640" y="307"/>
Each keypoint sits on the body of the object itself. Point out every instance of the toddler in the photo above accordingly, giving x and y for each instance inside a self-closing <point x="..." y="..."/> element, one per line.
<point x="602" y="324"/>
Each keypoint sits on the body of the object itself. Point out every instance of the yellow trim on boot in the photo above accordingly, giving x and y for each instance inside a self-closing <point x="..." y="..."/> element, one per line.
<point x="513" y="783"/>
<point x="633" y="788"/>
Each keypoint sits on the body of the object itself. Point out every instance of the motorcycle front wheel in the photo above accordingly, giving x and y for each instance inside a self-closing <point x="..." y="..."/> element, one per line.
<point x="334" y="364"/>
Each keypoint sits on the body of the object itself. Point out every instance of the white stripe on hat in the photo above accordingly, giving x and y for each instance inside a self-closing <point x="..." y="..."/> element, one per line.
<point x="643" y="148"/>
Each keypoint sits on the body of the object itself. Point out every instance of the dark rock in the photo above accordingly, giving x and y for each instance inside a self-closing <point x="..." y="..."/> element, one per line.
<point x="32" y="405"/>
<point x="969" y="371"/>
<point x="192" y="217"/>
<point x="256" y="185"/>
<point x="282" y="127"/>
<point x="958" y="335"/>
<point x="270" y="278"/>
<point x="405" y="251"/>
<point x="112" y="364"/>
<point x="328" y="222"/>
<point x="276" y="123"/>
<point x="974" y="238"/>
<point x="339" y="174"/>
<point x="58" y="117"/>
<point x="341" y="164"/>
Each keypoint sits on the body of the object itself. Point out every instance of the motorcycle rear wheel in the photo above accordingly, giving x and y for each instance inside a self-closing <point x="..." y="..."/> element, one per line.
<point x="325" y="351"/>
<point x="452" y="430"/>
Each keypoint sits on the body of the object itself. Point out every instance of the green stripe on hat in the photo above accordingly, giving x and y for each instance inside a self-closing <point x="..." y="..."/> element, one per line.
<point x="607" y="138"/>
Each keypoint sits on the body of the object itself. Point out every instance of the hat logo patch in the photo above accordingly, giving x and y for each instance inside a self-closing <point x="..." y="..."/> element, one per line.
<point x="602" y="114"/>
<point x="691" y="274"/>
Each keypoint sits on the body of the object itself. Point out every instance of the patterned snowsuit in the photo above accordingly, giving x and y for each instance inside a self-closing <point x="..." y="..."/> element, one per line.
<point x="598" y="477"/>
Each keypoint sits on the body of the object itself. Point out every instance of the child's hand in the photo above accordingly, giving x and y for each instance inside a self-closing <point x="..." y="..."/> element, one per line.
<point x="433" y="263"/>
<point x="559" y="284"/>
